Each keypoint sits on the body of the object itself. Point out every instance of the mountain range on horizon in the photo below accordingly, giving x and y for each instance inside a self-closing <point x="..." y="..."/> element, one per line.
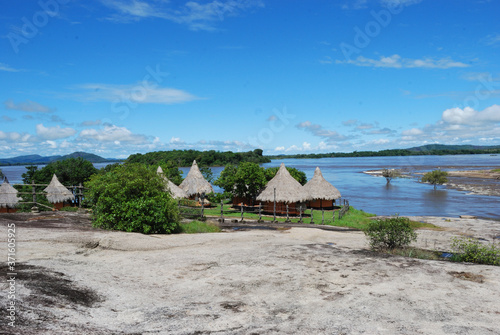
<point x="37" y="159"/>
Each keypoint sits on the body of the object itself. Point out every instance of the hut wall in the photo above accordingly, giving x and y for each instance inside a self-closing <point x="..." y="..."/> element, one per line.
<point x="237" y="201"/>
<point x="7" y="210"/>
<point x="268" y="207"/>
<point x="320" y="203"/>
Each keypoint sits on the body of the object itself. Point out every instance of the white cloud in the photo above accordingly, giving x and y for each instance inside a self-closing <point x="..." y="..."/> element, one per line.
<point x="112" y="133"/>
<point x="176" y="140"/>
<point x="90" y="123"/>
<point x="397" y="62"/>
<point x="469" y="116"/>
<point x="412" y="132"/>
<point x="7" y="68"/>
<point x="492" y="39"/>
<point x="27" y="106"/>
<point x="281" y="148"/>
<point x="195" y="15"/>
<point x="318" y="130"/>
<point x="140" y="93"/>
<point x="53" y="133"/>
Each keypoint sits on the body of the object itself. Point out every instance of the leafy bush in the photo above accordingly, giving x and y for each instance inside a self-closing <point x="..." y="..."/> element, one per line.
<point x="470" y="250"/>
<point x="435" y="177"/>
<point x="131" y="198"/>
<point x="390" y="233"/>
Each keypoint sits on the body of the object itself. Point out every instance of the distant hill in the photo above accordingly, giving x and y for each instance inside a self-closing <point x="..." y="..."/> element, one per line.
<point x="37" y="159"/>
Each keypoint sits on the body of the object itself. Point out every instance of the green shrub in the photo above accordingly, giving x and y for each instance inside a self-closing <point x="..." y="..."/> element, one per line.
<point x="390" y="233"/>
<point x="131" y="198"/>
<point x="470" y="250"/>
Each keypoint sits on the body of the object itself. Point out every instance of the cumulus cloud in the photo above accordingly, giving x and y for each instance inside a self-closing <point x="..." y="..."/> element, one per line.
<point x="27" y="106"/>
<point x="397" y="62"/>
<point x="318" y="130"/>
<point x="53" y="133"/>
<point x="112" y="133"/>
<point x="469" y="116"/>
<point x="140" y="93"/>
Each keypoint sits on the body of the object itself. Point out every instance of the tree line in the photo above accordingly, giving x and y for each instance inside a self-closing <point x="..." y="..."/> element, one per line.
<point x="393" y="152"/>
<point x="203" y="158"/>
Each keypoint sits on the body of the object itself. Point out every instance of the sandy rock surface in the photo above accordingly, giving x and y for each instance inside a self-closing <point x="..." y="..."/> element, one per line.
<point x="75" y="279"/>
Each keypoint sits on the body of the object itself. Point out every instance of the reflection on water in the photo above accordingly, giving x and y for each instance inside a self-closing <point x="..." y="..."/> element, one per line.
<point x="403" y="196"/>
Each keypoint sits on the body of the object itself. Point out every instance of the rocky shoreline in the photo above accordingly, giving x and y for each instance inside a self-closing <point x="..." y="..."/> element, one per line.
<point x="72" y="278"/>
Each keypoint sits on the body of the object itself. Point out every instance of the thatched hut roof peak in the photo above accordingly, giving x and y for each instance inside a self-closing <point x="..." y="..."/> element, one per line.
<point x="288" y="190"/>
<point x="319" y="188"/>
<point x="57" y="192"/>
<point x="8" y="195"/>
<point x="175" y="191"/>
<point x="195" y="183"/>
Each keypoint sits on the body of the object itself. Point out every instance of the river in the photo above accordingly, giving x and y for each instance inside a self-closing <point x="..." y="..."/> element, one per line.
<point x="403" y="196"/>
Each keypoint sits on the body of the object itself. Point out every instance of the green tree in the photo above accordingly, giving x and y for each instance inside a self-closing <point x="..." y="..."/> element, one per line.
<point x="436" y="177"/>
<point x="71" y="171"/>
<point x="131" y="198"/>
<point x="389" y="174"/>
<point x="227" y="178"/>
<point x="300" y="176"/>
<point x="29" y="175"/>
<point x="250" y="179"/>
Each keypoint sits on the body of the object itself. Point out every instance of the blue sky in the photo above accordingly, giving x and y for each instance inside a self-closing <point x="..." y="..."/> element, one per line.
<point x="117" y="77"/>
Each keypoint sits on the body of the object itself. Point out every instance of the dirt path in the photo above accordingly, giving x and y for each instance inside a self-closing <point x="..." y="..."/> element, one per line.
<point x="75" y="279"/>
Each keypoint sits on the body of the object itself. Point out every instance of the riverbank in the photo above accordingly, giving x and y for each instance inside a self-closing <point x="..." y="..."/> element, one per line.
<point x="74" y="278"/>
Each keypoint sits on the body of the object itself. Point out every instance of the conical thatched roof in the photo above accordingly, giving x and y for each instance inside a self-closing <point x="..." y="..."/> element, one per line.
<point x="57" y="192"/>
<point x="195" y="183"/>
<point x="8" y="195"/>
<point x="319" y="188"/>
<point x="175" y="191"/>
<point x="288" y="189"/>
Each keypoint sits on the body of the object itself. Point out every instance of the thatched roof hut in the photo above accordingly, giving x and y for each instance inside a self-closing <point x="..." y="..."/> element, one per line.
<point x="175" y="191"/>
<point x="195" y="183"/>
<point x="319" y="188"/>
<point x="288" y="190"/>
<point x="57" y="192"/>
<point x="8" y="195"/>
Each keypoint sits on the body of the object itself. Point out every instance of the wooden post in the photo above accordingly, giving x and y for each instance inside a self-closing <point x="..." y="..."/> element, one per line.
<point x="260" y="211"/>
<point x="221" y="211"/>
<point x="80" y="196"/>
<point x="202" y="203"/>
<point x="34" y="209"/>
<point x="287" y="217"/>
<point x="312" y="216"/>
<point x="322" y="216"/>
<point x="300" y="214"/>
<point x="241" y="207"/>
<point x="274" y="216"/>
<point x="333" y="214"/>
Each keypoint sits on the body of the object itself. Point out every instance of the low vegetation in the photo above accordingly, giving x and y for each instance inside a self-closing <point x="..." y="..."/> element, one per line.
<point x="390" y="233"/>
<point x="196" y="227"/>
<point x="390" y="174"/>
<point x="471" y="250"/>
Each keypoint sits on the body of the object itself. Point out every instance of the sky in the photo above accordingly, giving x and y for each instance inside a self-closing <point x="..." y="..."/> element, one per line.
<point x="118" y="77"/>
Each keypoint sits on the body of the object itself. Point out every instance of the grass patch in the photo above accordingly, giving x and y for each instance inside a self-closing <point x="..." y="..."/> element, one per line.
<point x="197" y="227"/>
<point x="69" y="209"/>
<point x="353" y="219"/>
<point x="496" y="170"/>
<point x="415" y="253"/>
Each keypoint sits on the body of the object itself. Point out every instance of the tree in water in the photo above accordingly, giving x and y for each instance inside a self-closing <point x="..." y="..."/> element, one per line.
<point x="436" y="177"/>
